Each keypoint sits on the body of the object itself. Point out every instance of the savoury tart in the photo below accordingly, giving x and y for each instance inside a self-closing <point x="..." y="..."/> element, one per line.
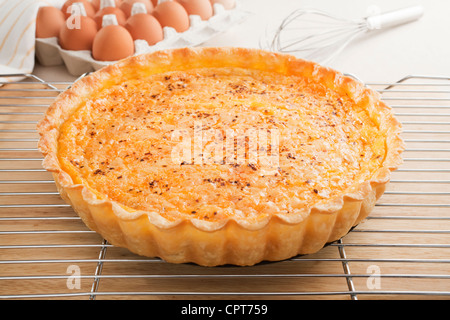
<point x="146" y="152"/>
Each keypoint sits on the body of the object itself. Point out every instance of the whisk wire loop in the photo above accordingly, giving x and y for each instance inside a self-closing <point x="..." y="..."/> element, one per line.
<point x="319" y="36"/>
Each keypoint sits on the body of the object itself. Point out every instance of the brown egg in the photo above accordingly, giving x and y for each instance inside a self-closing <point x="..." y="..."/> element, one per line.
<point x="78" y="33"/>
<point x="172" y="14"/>
<point x="155" y="3"/>
<point x="97" y="3"/>
<point x="127" y="5"/>
<point x="67" y="10"/>
<point x="112" y="43"/>
<point x="121" y="17"/>
<point x="49" y="22"/>
<point x="143" y="26"/>
<point x="227" y="4"/>
<point x="202" y="8"/>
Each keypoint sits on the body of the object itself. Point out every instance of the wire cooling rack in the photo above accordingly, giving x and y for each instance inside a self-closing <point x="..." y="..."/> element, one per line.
<point x="401" y="251"/>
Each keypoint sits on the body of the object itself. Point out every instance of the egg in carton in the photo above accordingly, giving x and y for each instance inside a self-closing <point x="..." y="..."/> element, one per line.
<point x="225" y="13"/>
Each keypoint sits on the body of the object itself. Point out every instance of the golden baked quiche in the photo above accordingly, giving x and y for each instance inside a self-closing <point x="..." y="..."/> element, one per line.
<point x="220" y="155"/>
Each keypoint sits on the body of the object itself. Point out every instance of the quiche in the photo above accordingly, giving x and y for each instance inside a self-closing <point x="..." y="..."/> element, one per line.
<point x="220" y="155"/>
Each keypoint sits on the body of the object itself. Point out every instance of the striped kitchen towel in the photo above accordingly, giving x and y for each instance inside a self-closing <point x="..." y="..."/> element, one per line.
<point x="18" y="35"/>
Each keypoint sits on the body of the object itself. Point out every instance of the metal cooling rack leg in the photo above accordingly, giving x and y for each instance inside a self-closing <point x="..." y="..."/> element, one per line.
<point x="98" y="270"/>
<point x="346" y="267"/>
<point x="416" y="77"/>
<point x="28" y="75"/>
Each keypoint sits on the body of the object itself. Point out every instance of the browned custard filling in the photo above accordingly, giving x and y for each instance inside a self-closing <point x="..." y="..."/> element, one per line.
<point x="124" y="141"/>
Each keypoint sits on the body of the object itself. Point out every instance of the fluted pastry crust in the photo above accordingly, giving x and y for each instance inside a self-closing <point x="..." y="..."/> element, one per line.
<point x="240" y="239"/>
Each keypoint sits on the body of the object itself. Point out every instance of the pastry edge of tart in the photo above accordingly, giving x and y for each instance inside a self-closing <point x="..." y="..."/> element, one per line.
<point x="239" y="241"/>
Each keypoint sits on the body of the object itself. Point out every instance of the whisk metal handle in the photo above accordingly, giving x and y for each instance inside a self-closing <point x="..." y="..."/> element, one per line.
<point x="394" y="18"/>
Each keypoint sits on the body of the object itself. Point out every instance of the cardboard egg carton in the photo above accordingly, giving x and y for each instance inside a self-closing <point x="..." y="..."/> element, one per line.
<point x="49" y="52"/>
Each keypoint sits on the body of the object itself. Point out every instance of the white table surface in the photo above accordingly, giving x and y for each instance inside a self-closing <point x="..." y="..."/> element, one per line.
<point x="421" y="47"/>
